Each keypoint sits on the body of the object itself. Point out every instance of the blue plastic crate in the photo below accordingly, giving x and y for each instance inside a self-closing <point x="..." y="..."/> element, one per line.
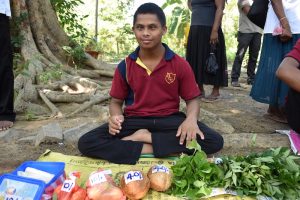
<point x="56" y="168"/>
<point x="16" y="187"/>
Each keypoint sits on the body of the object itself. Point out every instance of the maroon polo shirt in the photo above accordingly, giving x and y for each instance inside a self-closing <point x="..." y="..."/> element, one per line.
<point x="295" y="52"/>
<point x="153" y="93"/>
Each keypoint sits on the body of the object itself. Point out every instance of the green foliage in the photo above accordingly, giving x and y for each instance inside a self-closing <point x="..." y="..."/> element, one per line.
<point x="76" y="55"/>
<point x="274" y="173"/>
<point x="16" y="37"/>
<point x="53" y="73"/>
<point x="69" y="19"/>
<point x="115" y="34"/>
<point x="29" y="115"/>
<point x="194" y="176"/>
<point x="180" y="17"/>
<point x="230" y="29"/>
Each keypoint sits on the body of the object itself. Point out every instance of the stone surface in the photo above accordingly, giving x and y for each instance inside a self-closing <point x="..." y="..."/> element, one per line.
<point x="72" y="135"/>
<point x="214" y="121"/>
<point x="50" y="133"/>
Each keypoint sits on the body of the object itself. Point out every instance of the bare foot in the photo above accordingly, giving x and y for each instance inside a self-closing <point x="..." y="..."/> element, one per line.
<point x="142" y="135"/>
<point x="4" y="125"/>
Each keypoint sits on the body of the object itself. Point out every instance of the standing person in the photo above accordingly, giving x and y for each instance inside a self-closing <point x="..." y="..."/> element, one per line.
<point x="7" y="115"/>
<point x="289" y="72"/>
<point x="150" y="81"/>
<point x="249" y="35"/>
<point x="282" y="15"/>
<point x="206" y="31"/>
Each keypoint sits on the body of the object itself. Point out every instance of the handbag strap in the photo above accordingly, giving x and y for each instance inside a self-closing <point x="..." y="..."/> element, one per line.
<point x="212" y="48"/>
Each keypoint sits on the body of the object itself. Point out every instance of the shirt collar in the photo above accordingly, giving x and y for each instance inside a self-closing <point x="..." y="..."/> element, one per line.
<point x="169" y="54"/>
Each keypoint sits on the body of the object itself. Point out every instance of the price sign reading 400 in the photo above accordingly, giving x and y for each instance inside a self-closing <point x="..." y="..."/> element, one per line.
<point x="133" y="176"/>
<point x="160" y="168"/>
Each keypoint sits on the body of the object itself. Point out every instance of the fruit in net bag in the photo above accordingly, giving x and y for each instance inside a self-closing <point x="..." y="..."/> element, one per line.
<point x="101" y="186"/>
<point x="70" y="190"/>
<point x="160" y="178"/>
<point x="135" y="184"/>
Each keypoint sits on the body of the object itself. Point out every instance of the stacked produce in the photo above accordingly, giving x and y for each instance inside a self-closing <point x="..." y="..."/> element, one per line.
<point x="274" y="173"/>
<point x="160" y="178"/>
<point x="70" y="190"/>
<point x="101" y="186"/>
<point x="135" y="184"/>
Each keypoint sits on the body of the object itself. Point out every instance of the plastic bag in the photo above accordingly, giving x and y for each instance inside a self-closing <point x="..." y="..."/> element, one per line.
<point x="70" y="190"/>
<point x="211" y="65"/>
<point x="100" y="185"/>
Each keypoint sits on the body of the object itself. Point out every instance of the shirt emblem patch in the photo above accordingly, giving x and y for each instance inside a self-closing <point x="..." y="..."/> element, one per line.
<point x="170" y="77"/>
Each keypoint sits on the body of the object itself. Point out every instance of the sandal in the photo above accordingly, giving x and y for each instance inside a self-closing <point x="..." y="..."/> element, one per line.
<point x="211" y="98"/>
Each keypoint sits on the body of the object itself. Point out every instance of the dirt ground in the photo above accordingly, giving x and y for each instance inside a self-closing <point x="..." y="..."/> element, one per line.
<point x="235" y="107"/>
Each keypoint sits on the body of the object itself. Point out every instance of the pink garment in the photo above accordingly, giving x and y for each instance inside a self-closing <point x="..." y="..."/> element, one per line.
<point x="295" y="141"/>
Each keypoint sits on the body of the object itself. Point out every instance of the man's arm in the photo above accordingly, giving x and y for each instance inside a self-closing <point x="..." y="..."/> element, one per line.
<point x="192" y="109"/>
<point x="289" y="73"/>
<point x="116" y="116"/>
<point x="244" y="6"/>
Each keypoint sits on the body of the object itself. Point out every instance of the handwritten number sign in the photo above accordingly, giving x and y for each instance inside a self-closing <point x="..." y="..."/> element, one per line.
<point x="67" y="185"/>
<point x="97" y="178"/>
<point x="160" y="168"/>
<point x="12" y="197"/>
<point x="133" y="176"/>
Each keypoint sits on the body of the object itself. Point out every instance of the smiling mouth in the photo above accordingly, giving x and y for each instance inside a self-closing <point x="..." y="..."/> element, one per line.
<point x="146" y="41"/>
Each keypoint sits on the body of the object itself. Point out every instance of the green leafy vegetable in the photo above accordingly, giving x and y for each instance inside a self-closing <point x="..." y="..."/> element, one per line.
<point x="194" y="176"/>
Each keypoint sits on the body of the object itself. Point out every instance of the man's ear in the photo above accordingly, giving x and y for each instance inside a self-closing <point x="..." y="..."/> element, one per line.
<point x="165" y="29"/>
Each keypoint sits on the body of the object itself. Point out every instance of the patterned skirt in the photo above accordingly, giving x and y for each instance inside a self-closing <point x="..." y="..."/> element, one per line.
<point x="267" y="88"/>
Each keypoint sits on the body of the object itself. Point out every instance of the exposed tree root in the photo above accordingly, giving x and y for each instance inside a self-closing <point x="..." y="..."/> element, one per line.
<point x="88" y="104"/>
<point x="41" y="49"/>
<point x="55" y="111"/>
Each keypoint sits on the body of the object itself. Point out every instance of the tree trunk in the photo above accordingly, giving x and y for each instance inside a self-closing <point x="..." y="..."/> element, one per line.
<point x="41" y="50"/>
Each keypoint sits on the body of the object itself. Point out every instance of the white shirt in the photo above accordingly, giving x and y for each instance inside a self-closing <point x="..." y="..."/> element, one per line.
<point x="5" y="7"/>
<point x="292" y="12"/>
<point x="245" y="25"/>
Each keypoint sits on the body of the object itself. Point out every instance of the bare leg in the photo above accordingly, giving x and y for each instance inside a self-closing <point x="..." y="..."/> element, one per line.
<point x="147" y="148"/>
<point x="142" y="135"/>
<point x="202" y="91"/>
<point x="4" y="125"/>
<point x="215" y="93"/>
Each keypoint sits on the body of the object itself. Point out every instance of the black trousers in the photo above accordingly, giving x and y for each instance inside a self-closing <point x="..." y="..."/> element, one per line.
<point x="293" y="110"/>
<point x="245" y="40"/>
<point x="6" y="72"/>
<point x="98" y="143"/>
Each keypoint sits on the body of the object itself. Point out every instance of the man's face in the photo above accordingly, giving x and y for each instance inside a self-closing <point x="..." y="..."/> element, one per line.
<point x="148" y="30"/>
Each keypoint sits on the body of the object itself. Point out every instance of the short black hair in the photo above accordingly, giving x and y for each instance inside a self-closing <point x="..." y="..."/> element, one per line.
<point x="150" y="8"/>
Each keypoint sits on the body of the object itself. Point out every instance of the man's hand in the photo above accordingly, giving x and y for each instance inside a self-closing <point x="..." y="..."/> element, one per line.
<point x="115" y="124"/>
<point x="188" y="131"/>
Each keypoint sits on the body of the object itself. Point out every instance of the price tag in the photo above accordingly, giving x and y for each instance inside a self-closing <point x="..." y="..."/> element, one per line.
<point x="12" y="197"/>
<point x="68" y="185"/>
<point x="97" y="178"/>
<point x="160" y="168"/>
<point x="133" y="176"/>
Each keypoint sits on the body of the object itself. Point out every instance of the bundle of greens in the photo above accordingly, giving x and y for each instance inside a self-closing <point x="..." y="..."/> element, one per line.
<point x="274" y="173"/>
<point x="194" y="176"/>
